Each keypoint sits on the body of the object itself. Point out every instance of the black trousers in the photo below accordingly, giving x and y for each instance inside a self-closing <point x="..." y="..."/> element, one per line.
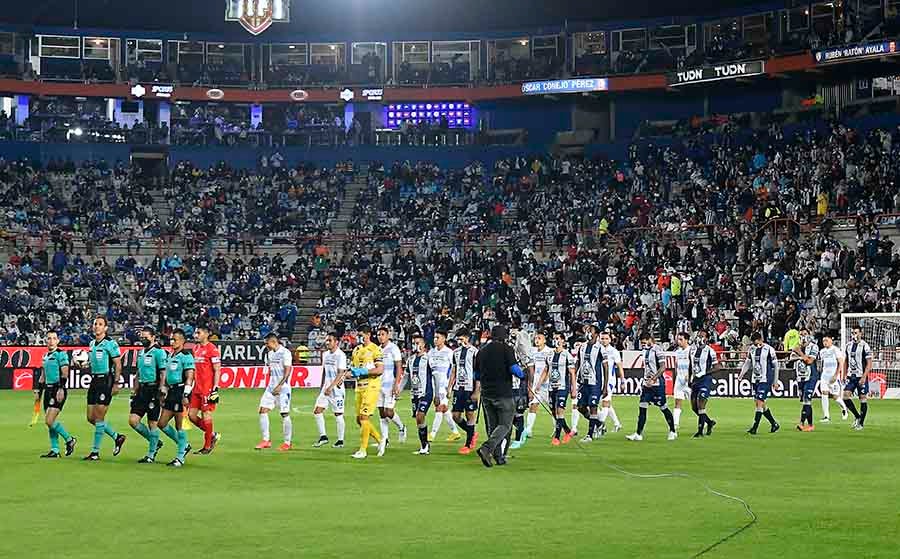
<point x="498" y="417"/>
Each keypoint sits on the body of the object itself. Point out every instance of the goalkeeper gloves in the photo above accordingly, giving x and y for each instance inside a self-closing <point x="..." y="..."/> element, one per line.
<point x="359" y="371"/>
<point x="213" y="397"/>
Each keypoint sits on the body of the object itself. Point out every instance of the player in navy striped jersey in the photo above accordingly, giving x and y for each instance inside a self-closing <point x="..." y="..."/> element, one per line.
<point x="653" y="390"/>
<point x="539" y="356"/>
<point x="421" y="389"/>
<point x="387" y="399"/>
<point x="831" y="365"/>
<point x="762" y="363"/>
<point x="559" y="374"/>
<point x="806" y="355"/>
<point x="857" y="366"/>
<point x="593" y="382"/>
<point x="466" y="389"/>
<point x="703" y="364"/>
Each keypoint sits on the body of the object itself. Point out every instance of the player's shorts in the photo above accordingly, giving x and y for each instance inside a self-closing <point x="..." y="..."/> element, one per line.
<point x="366" y="399"/>
<point x="100" y="391"/>
<point x="761" y="390"/>
<point x="440" y="392"/>
<point x="421" y="404"/>
<point x="175" y="399"/>
<point x="146" y="401"/>
<point x="282" y="401"/>
<point x="335" y="402"/>
<point x="386" y="398"/>
<point x="520" y="399"/>
<point x="589" y="395"/>
<point x="807" y="388"/>
<point x="681" y="389"/>
<point x="702" y="387"/>
<point x="610" y="390"/>
<point x="558" y="398"/>
<point x="199" y="401"/>
<point x="655" y="395"/>
<point x="49" y="396"/>
<point x="541" y="395"/>
<point x="853" y="386"/>
<point x="462" y="401"/>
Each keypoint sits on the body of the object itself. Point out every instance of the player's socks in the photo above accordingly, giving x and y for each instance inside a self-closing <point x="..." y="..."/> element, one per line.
<point x="287" y="428"/>
<point x="208" y="432"/>
<point x="365" y="430"/>
<point x="99" y="428"/>
<point x="54" y="439"/>
<point x="110" y="431"/>
<point x="436" y="424"/>
<point x="529" y="421"/>
<point x="604" y="413"/>
<point x="423" y="435"/>
<point x="676" y="414"/>
<point x="642" y="420"/>
<point x="575" y="415"/>
<point x="825" y="412"/>
<point x="385" y="423"/>
<point x="851" y="407"/>
<point x="181" y="437"/>
<point x="264" y="426"/>
<point x="373" y="433"/>
<point x="701" y="420"/>
<point x="593" y="425"/>
<point x="58" y="427"/>
<point x="470" y="433"/>
<point x="614" y="417"/>
<point x="670" y="419"/>
<point x="397" y="421"/>
<point x="807" y="408"/>
<point x="153" y="441"/>
<point x="196" y="421"/>
<point x="565" y="426"/>
<point x="768" y="415"/>
<point x="519" y="424"/>
<point x="170" y="432"/>
<point x="320" y="423"/>
<point x="142" y="430"/>
<point x="448" y="417"/>
<point x="557" y="429"/>
<point x="341" y="426"/>
<point x="863" y="411"/>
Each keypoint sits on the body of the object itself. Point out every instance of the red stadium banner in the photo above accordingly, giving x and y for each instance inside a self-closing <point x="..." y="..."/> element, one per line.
<point x="258" y="377"/>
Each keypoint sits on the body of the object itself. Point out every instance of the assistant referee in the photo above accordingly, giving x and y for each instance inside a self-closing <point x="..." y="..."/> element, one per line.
<point x="496" y="364"/>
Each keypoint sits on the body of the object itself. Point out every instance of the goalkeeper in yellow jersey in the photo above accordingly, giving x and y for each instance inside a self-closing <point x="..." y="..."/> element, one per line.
<point x="367" y="366"/>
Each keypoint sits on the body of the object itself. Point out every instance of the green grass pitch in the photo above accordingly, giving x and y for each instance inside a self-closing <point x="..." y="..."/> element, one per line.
<point x="831" y="493"/>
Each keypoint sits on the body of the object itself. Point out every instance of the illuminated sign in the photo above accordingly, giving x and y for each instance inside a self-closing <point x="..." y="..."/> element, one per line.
<point x="458" y="115"/>
<point x="299" y="95"/>
<point x="574" y="85"/>
<point x="856" y="52"/>
<point x="257" y="15"/>
<point x="156" y="91"/>
<point x="347" y="95"/>
<point x="373" y="94"/>
<point x="715" y="73"/>
<point x="215" y="94"/>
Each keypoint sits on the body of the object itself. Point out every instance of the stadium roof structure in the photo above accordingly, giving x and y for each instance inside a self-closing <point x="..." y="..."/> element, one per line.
<point x="360" y="15"/>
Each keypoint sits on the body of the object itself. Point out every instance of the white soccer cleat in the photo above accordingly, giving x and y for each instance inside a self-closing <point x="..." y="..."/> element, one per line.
<point x="824" y="420"/>
<point x="587" y="439"/>
<point x="401" y="437"/>
<point x="617" y="428"/>
<point x="528" y="434"/>
<point x="424" y="451"/>
<point x="672" y="435"/>
<point x="855" y="424"/>
<point x="635" y="437"/>
<point x="858" y="426"/>
<point x="844" y="414"/>
<point x="382" y="446"/>
<point x="359" y="455"/>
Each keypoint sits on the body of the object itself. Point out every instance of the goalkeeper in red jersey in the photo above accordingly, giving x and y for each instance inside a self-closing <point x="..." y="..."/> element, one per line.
<point x="205" y="395"/>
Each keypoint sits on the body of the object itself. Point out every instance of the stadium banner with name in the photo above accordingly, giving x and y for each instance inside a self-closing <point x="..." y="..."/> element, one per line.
<point x="572" y="85"/>
<point x="242" y="366"/>
<point x="730" y="71"/>
<point x="855" y="52"/>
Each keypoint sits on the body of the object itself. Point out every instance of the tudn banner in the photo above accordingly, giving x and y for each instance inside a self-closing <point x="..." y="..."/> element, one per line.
<point x="856" y="52"/>
<point x="715" y="73"/>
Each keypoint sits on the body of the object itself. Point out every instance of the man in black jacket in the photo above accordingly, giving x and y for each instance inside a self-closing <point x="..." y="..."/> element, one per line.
<point x="496" y="364"/>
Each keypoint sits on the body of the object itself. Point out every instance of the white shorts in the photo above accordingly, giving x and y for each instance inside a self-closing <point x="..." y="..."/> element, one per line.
<point x="335" y="402"/>
<point x="386" y="398"/>
<point x="283" y="400"/>
<point x="541" y="394"/>
<point x="830" y="384"/>
<point x="440" y="392"/>
<point x="609" y="392"/>
<point x="681" y="390"/>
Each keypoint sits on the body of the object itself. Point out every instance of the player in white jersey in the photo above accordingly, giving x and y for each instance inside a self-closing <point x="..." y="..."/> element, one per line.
<point x="466" y="388"/>
<point x="440" y="359"/>
<point x="831" y="363"/>
<point x="857" y="366"/>
<point x="539" y="357"/>
<point x="332" y="395"/>
<point x="613" y="359"/>
<point x="387" y="399"/>
<point x="278" y="391"/>
<point x="681" y="389"/>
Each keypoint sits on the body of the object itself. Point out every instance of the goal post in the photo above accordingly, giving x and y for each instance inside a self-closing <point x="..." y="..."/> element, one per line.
<point x="882" y="332"/>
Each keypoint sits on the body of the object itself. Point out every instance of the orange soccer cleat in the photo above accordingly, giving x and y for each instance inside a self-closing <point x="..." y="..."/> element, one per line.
<point x="474" y="441"/>
<point x="284" y="447"/>
<point x="555" y="441"/>
<point x="809" y="428"/>
<point x="566" y="438"/>
<point x="262" y="445"/>
<point x="465" y="450"/>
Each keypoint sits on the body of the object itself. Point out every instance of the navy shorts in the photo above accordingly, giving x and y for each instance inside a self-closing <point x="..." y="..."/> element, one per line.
<point x="421" y="404"/>
<point x="462" y="401"/>
<point x="854" y="386"/>
<point x="701" y="388"/>
<point x="558" y="399"/>
<point x="655" y="395"/>
<point x="761" y="390"/>
<point x="808" y="388"/>
<point x="589" y="395"/>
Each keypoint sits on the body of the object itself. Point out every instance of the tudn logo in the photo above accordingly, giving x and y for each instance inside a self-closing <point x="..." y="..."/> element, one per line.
<point x="299" y="95"/>
<point x="215" y="94"/>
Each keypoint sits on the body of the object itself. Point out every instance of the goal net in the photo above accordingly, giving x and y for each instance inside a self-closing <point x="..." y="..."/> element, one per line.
<point x="882" y="332"/>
